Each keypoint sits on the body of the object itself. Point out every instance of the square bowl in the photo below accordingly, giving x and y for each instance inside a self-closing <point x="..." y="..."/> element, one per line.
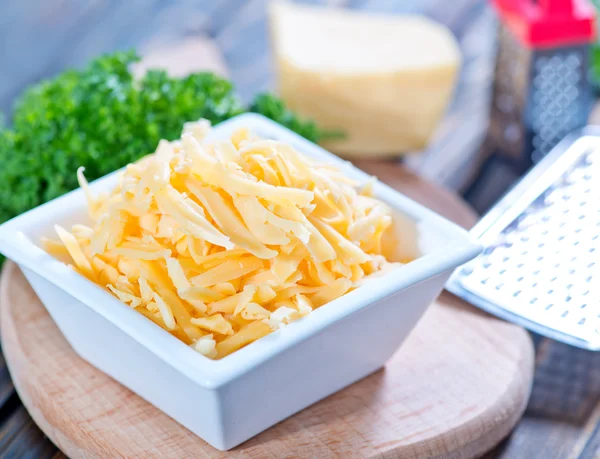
<point x="228" y="401"/>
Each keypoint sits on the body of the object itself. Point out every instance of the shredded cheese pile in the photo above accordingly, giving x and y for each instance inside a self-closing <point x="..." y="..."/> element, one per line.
<point x="220" y="243"/>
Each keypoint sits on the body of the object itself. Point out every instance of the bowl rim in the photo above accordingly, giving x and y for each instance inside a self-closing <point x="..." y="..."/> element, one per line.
<point x="212" y="374"/>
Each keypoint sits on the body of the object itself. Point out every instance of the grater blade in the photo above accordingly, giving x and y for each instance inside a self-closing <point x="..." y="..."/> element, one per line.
<point x="541" y="265"/>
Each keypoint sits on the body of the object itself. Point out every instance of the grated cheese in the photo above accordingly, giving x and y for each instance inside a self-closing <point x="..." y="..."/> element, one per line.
<point x="221" y="243"/>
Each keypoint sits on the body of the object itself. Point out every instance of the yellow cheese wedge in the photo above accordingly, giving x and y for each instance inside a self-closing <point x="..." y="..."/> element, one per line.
<point x="383" y="80"/>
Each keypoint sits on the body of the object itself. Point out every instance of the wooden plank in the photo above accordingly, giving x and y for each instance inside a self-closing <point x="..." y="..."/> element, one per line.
<point x="539" y="438"/>
<point x="452" y="156"/>
<point x="591" y="450"/>
<point x="74" y="32"/>
<point x="194" y="54"/>
<point x="563" y="414"/>
<point x="566" y="384"/>
<point x="59" y="31"/>
<point x="21" y="438"/>
<point x="244" y="42"/>
<point x="6" y="386"/>
<point x="223" y="13"/>
<point x="393" y="6"/>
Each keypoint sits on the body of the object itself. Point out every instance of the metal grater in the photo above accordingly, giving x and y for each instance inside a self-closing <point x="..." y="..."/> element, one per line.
<point x="541" y="90"/>
<point x="541" y="265"/>
<point x="539" y="97"/>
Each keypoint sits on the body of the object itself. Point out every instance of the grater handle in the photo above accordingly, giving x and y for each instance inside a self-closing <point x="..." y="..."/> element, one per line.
<point x="549" y="24"/>
<point x="557" y="7"/>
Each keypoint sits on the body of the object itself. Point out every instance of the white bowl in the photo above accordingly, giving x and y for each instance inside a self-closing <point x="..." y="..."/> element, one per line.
<point x="228" y="401"/>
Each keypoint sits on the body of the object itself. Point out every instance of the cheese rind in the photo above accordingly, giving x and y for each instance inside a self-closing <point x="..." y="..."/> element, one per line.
<point x="384" y="81"/>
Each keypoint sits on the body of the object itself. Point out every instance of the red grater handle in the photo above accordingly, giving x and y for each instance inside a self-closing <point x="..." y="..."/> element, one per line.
<point x="556" y="7"/>
<point x="549" y="23"/>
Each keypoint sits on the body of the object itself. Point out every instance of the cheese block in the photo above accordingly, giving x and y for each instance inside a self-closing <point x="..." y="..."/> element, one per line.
<point x="385" y="81"/>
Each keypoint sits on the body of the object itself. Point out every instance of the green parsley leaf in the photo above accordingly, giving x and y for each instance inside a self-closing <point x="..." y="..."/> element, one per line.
<point x="102" y="118"/>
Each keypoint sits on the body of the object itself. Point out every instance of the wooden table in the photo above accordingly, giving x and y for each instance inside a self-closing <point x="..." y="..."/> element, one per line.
<point x="39" y="39"/>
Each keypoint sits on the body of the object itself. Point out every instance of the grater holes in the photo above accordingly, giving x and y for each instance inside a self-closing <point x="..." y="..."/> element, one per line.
<point x="546" y="255"/>
<point x="466" y="271"/>
<point x="556" y="98"/>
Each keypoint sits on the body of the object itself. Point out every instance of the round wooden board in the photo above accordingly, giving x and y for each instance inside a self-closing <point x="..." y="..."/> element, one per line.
<point x="455" y="389"/>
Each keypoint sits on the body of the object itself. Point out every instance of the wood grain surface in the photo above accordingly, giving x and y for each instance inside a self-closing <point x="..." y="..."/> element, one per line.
<point x="454" y="390"/>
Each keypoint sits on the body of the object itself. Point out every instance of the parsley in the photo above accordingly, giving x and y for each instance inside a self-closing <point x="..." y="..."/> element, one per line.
<point x="102" y="118"/>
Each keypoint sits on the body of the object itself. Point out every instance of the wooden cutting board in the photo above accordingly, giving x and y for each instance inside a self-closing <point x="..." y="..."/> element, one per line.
<point x="454" y="390"/>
